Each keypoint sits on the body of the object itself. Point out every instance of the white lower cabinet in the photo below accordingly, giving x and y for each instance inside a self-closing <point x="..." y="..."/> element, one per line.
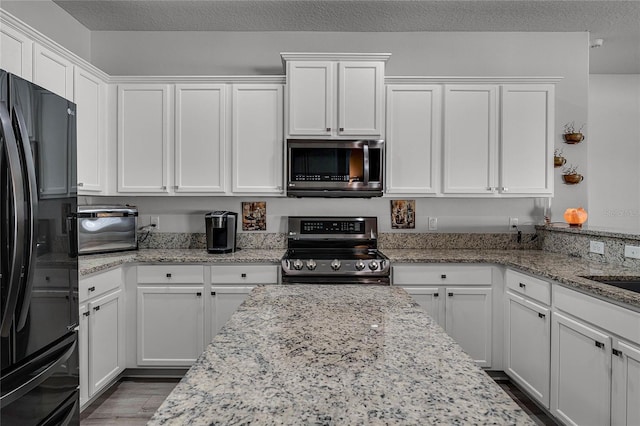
<point x="463" y="306"/>
<point x="101" y="335"/>
<point x="527" y="337"/>
<point x="225" y="300"/>
<point x="170" y="314"/>
<point x="625" y="385"/>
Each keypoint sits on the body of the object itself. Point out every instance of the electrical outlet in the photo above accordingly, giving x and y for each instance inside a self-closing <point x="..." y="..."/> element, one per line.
<point x="513" y="222"/>
<point x="155" y="220"/>
<point x="596" y="247"/>
<point x="632" y="252"/>
<point x="433" y="223"/>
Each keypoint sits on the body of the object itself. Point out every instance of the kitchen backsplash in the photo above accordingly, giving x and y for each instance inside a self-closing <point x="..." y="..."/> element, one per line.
<point x="487" y="241"/>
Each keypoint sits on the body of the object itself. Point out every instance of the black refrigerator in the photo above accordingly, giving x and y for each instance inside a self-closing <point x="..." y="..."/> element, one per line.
<point x="39" y="269"/>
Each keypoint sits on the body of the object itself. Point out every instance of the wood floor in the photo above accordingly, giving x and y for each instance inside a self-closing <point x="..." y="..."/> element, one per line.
<point x="129" y="402"/>
<point x="132" y="402"/>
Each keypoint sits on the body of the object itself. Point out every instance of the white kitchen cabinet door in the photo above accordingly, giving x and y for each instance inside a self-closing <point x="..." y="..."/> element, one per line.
<point x="225" y="300"/>
<point x="170" y="325"/>
<point x="625" y="387"/>
<point x="528" y="346"/>
<point x="53" y="72"/>
<point x="257" y="138"/>
<point x="201" y="138"/>
<point x="17" y="52"/>
<point x="413" y="138"/>
<point x="311" y="98"/>
<point x="580" y="372"/>
<point x="431" y="299"/>
<point x="360" y="98"/>
<point x="144" y="129"/>
<point x="470" y="139"/>
<point x="526" y="143"/>
<point x="106" y="340"/>
<point x="90" y="98"/>
<point x="468" y="321"/>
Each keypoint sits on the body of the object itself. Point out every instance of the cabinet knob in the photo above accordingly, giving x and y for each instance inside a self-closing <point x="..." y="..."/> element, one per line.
<point x="541" y="315"/>
<point x="328" y="129"/>
<point x="616" y="352"/>
<point x="86" y="314"/>
<point x="213" y="293"/>
<point x="243" y="275"/>
<point x="522" y="285"/>
<point x="96" y="308"/>
<point x="47" y="278"/>
<point x="92" y="288"/>
<point x="342" y="129"/>
<point x="450" y="294"/>
<point x="198" y="294"/>
<point x="435" y="295"/>
<point x="599" y="344"/>
<point x="443" y="276"/>
<point x="169" y="275"/>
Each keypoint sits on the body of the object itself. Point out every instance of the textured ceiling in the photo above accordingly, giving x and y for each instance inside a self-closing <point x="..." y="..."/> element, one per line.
<point x="617" y="22"/>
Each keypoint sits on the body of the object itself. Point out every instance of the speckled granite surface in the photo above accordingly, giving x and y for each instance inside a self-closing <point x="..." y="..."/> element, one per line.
<point x="295" y="355"/>
<point x="561" y="268"/>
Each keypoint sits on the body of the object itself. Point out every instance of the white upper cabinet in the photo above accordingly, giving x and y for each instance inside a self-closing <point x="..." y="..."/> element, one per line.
<point x="470" y="139"/>
<point x="143" y="137"/>
<point x="200" y="138"/>
<point x="257" y="138"/>
<point x="413" y="138"/>
<point x="335" y="95"/>
<point x="526" y="148"/>
<point x="90" y="98"/>
<point x="17" y="52"/>
<point x="53" y="72"/>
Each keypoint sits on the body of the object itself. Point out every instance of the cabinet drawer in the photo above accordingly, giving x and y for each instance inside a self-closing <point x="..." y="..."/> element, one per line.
<point x="532" y="287"/>
<point x="95" y="285"/>
<point x="244" y="274"/>
<point x="170" y="274"/>
<point x="441" y="275"/>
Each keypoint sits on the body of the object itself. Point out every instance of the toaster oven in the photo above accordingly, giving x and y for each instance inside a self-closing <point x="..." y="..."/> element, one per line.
<point x="104" y="229"/>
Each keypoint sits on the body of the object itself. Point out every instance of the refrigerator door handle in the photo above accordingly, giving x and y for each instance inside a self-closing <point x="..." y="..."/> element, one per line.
<point x="16" y="264"/>
<point x="32" y="214"/>
<point x="61" y="351"/>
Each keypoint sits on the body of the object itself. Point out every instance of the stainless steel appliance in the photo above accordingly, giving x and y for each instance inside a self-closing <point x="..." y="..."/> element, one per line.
<point x="221" y="228"/>
<point x="334" y="250"/>
<point x="331" y="168"/>
<point x="39" y="280"/>
<point x="103" y="229"/>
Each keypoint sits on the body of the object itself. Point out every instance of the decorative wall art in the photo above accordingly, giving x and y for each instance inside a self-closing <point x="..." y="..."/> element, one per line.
<point x="254" y="215"/>
<point x="403" y="214"/>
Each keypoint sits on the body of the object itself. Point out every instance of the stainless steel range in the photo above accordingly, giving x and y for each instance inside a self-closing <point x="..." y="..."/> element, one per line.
<point x="334" y="250"/>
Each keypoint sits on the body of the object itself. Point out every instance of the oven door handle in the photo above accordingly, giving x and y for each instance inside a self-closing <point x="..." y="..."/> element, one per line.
<point x="365" y="149"/>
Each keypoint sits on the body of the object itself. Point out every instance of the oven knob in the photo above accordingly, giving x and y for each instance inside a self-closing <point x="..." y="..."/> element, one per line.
<point x="335" y="264"/>
<point x="297" y="264"/>
<point x="311" y="264"/>
<point x="359" y="265"/>
<point x="373" y="265"/>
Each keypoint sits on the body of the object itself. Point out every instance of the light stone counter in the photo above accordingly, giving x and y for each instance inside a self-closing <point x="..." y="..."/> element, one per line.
<point x="334" y="355"/>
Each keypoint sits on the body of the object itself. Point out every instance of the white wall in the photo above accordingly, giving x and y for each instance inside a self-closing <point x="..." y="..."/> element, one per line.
<point x="54" y="22"/>
<point x="614" y="152"/>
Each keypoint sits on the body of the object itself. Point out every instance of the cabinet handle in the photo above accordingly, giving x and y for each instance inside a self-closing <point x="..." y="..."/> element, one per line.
<point x="198" y="294"/>
<point x="92" y="288"/>
<point x="600" y="344"/>
<point x="435" y="295"/>
<point x="616" y="352"/>
<point x="213" y="293"/>
<point x="96" y="308"/>
<point x="243" y="275"/>
<point x="342" y="129"/>
<point x="522" y="285"/>
<point x="443" y="276"/>
<point x="86" y="314"/>
<point x="541" y="315"/>
<point x="169" y="275"/>
<point x="450" y="294"/>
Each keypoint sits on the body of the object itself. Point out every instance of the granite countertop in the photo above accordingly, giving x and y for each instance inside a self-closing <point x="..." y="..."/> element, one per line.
<point x="299" y="354"/>
<point x="560" y="268"/>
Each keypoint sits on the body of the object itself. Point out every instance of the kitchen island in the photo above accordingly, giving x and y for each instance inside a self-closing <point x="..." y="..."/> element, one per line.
<point x="335" y="354"/>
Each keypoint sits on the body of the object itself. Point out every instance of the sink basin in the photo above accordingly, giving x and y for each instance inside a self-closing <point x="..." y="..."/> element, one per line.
<point x="627" y="283"/>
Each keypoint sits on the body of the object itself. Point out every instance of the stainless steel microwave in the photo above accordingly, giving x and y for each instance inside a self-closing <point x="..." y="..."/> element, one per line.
<point x="335" y="168"/>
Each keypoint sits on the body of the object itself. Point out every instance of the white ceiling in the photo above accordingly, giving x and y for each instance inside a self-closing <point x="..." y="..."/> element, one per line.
<point x="617" y="22"/>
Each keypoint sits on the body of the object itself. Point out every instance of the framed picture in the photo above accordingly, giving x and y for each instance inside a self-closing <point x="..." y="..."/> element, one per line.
<point x="403" y="214"/>
<point x="254" y="215"/>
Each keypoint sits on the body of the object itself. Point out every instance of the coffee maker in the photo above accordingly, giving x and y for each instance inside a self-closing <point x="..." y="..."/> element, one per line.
<point x="221" y="229"/>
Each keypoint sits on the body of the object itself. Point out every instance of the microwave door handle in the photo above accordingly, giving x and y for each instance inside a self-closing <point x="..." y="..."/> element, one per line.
<point x="365" y="178"/>
<point x="31" y="213"/>
<point x="16" y="181"/>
